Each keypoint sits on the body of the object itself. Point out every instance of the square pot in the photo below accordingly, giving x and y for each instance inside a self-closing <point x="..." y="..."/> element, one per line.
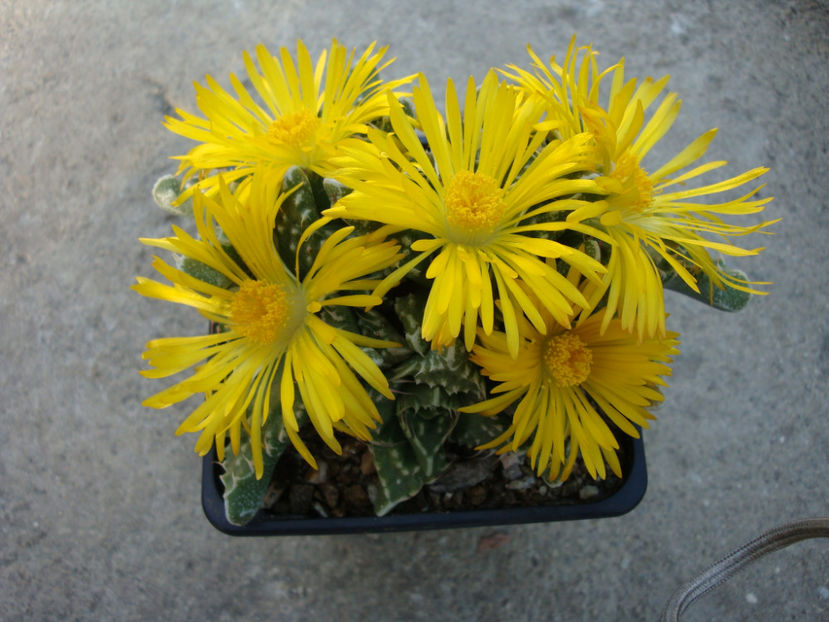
<point x="623" y="500"/>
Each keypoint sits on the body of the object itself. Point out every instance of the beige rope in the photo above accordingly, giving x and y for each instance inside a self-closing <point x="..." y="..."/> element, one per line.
<point x="772" y="540"/>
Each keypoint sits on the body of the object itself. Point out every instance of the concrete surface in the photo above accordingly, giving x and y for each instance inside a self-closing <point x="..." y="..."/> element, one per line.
<point x="99" y="502"/>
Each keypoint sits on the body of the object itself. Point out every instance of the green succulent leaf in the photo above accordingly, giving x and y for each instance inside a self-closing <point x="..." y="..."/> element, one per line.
<point x="376" y="325"/>
<point x="299" y="210"/>
<point x="592" y="249"/>
<point x="413" y="396"/>
<point x="473" y="429"/>
<point x="200" y="271"/>
<point x="724" y="299"/>
<point x="409" y="310"/>
<point x="244" y="494"/>
<point x="448" y="369"/>
<point x="398" y="469"/>
<point x="335" y="190"/>
<point x="427" y="430"/>
<point x="165" y="192"/>
<point x="416" y="275"/>
<point x="341" y="317"/>
<point x="205" y="273"/>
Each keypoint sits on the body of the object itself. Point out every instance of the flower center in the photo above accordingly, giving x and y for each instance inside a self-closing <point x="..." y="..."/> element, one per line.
<point x="474" y="202"/>
<point x="261" y="311"/>
<point x="567" y="359"/>
<point x="294" y="128"/>
<point x="637" y="188"/>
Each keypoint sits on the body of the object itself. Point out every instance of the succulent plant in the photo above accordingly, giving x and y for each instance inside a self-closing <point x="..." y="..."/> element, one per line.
<point x="487" y="277"/>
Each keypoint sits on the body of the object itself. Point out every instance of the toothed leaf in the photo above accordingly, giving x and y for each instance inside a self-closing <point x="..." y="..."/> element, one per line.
<point x="244" y="493"/>
<point x="427" y="430"/>
<point x="473" y="429"/>
<point x="398" y="471"/>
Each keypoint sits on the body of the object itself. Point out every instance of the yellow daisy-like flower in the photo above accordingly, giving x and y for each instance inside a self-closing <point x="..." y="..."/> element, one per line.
<point x="565" y="380"/>
<point x="274" y="337"/>
<point x="647" y="219"/>
<point x="482" y="199"/>
<point x="310" y="112"/>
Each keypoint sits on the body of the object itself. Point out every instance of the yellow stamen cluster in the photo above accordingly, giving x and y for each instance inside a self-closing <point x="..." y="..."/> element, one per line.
<point x="474" y="202"/>
<point x="295" y="128"/>
<point x="260" y="311"/>
<point x="567" y="359"/>
<point x="637" y="187"/>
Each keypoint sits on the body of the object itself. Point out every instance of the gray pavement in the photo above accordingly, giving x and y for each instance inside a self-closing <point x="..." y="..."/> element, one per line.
<point x="99" y="502"/>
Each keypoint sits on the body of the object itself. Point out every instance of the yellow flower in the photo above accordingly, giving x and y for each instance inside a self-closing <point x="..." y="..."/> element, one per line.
<point x="303" y="115"/>
<point x="274" y="337"/>
<point x="566" y="380"/>
<point x="563" y="89"/>
<point x="481" y="206"/>
<point x="647" y="219"/>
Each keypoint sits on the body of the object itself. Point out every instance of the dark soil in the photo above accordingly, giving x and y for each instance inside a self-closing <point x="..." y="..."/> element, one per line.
<point x="344" y="485"/>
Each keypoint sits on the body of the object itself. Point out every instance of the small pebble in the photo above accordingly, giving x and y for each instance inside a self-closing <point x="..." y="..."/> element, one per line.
<point x="476" y="495"/>
<point x="587" y="492"/>
<point x="823" y="592"/>
<point x="371" y="490"/>
<point x="462" y="474"/>
<point x="273" y="494"/>
<point x="552" y="485"/>
<point x="355" y="497"/>
<point x="522" y="484"/>
<point x="331" y="494"/>
<point x="318" y="476"/>
<point x="511" y="466"/>
<point x="367" y="464"/>
<point x="751" y="598"/>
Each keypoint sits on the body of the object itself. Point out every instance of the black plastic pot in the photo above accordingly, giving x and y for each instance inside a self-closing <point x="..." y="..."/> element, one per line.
<point x="627" y="497"/>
